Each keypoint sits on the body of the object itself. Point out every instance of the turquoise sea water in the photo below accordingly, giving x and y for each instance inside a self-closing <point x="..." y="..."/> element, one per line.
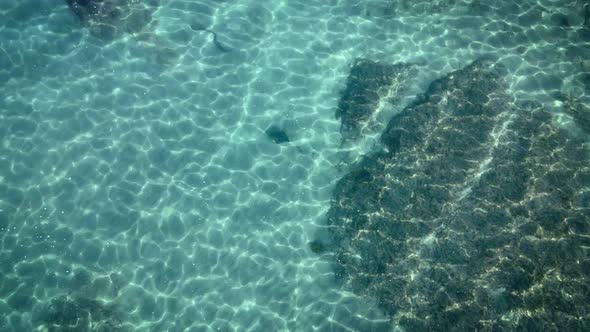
<point x="139" y="190"/>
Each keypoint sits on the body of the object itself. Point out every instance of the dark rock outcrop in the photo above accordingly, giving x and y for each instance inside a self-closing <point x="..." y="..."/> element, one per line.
<point x="109" y="19"/>
<point x="368" y="83"/>
<point x="475" y="217"/>
<point x="66" y="313"/>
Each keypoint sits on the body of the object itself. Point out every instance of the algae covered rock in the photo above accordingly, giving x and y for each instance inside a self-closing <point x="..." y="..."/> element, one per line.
<point x="472" y="212"/>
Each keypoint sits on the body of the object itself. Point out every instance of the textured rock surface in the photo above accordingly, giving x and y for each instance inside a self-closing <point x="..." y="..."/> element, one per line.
<point x="476" y="216"/>
<point x="67" y="313"/>
<point x="109" y="19"/>
<point x="369" y="84"/>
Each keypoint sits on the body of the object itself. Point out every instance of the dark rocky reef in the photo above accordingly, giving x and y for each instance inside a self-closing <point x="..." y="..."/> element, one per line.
<point x="109" y="19"/>
<point x="67" y="313"/>
<point x="475" y="216"/>
<point x="367" y="83"/>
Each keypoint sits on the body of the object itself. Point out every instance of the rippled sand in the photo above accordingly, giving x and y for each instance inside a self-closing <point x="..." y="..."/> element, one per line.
<point x="139" y="190"/>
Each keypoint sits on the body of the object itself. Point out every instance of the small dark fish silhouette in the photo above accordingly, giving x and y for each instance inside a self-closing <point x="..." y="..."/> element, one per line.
<point x="220" y="46"/>
<point x="277" y="134"/>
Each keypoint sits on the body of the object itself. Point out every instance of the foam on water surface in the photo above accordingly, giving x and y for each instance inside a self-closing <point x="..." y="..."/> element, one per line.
<point x="139" y="187"/>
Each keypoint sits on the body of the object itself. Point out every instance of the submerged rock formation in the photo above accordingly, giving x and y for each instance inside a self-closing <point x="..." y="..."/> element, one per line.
<point x="66" y="313"/>
<point x="474" y="217"/>
<point x="109" y="19"/>
<point x="369" y="84"/>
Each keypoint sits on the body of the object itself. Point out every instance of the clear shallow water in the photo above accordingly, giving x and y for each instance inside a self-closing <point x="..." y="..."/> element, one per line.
<point x="138" y="172"/>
